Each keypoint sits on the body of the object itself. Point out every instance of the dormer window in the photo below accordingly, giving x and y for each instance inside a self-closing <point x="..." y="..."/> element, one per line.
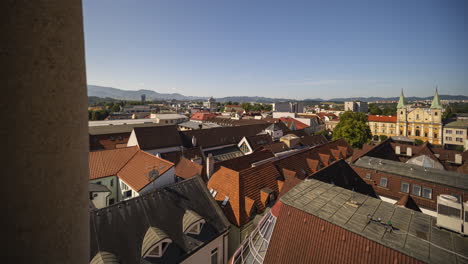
<point x="155" y="243"/>
<point x="158" y="250"/>
<point x="192" y="223"/>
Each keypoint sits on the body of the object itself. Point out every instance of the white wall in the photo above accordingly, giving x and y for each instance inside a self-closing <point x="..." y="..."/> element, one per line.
<point x="167" y="178"/>
<point x="99" y="199"/>
<point x="283" y="114"/>
<point x="203" y="255"/>
<point x="132" y="140"/>
<point x="112" y="183"/>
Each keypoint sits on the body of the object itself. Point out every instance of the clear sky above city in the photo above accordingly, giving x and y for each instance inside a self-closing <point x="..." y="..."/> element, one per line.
<point x="284" y="49"/>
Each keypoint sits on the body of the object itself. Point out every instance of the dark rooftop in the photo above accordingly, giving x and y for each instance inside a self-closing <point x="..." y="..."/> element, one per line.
<point x="448" y="178"/>
<point x="157" y="137"/>
<point x="120" y="229"/>
<point x="414" y="233"/>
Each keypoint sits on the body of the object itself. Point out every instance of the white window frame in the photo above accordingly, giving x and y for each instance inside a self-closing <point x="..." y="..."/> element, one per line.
<point x="386" y="182"/>
<point x="416" y="186"/>
<point x="401" y="187"/>
<point x="196" y="228"/>
<point x="162" y="245"/>
<point x="430" y="194"/>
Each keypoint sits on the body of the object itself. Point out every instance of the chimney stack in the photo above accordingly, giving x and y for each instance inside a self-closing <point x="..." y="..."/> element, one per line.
<point x="209" y="165"/>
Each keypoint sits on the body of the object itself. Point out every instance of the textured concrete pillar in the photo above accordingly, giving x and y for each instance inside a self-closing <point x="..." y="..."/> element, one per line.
<point x="43" y="115"/>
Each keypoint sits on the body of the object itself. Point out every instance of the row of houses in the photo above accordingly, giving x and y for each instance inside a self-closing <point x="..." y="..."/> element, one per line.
<point x="264" y="194"/>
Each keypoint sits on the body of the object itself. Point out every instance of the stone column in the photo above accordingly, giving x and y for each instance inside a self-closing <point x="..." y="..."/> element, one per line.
<point x="44" y="129"/>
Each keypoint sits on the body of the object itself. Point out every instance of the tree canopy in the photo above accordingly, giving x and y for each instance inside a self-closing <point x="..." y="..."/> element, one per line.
<point x="353" y="127"/>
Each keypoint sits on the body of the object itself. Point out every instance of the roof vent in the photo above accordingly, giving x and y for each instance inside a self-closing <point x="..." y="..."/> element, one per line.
<point x="226" y="200"/>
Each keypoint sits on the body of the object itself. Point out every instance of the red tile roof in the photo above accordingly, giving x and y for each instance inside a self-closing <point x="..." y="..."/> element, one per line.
<point x="187" y="169"/>
<point x="108" y="162"/>
<point x="129" y="164"/>
<point x="377" y="118"/>
<point x="248" y="181"/>
<point x="202" y="116"/>
<point x="322" y="115"/>
<point x="289" y="121"/>
<point x="241" y="185"/>
<point x="136" y="172"/>
<point x="300" y="238"/>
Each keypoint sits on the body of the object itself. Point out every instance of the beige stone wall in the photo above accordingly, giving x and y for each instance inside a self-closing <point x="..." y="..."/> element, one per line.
<point x="45" y="129"/>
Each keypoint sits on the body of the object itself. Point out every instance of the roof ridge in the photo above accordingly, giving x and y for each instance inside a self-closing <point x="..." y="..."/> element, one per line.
<point x="156" y="157"/>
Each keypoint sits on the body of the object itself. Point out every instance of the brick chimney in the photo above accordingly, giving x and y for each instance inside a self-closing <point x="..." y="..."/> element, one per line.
<point x="209" y="165"/>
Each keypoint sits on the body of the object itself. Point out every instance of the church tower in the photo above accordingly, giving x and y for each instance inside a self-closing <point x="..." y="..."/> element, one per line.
<point x="402" y="115"/>
<point x="436" y="119"/>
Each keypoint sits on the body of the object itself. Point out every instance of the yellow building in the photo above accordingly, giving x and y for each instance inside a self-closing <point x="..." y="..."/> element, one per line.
<point x="420" y="123"/>
<point x="382" y="125"/>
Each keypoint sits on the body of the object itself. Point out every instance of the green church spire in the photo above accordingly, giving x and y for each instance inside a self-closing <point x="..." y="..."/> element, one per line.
<point x="436" y="102"/>
<point x="402" y="101"/>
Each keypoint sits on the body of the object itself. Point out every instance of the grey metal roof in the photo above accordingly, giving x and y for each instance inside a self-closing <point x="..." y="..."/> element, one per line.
<point x="413" y="234"/>
<point x="92" y="187"/>
<point x="116" y="129"/>
<point x="457" y="124"/>
<point x="448" y="178"/>
<point x="120" y="229"/>
<point x="170" y="116"/>
<point x="426" y="162"/>
<point x="196" y="125"/>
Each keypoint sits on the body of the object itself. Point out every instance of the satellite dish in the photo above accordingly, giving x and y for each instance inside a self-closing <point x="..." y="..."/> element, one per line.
<point x="153" y="174"/>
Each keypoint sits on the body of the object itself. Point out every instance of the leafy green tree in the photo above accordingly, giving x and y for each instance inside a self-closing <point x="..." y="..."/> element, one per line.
<point x="115" y="108"/>
<point x="383" y="137"/>
<point x="418" y="142"/>
<point x="326" y="133"/>
<point x="374" y="109"/>
<point x="353" y="127"/>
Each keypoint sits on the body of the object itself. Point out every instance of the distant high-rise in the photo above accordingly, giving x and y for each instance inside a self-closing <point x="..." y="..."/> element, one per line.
<point x="143" y="98"/>
<point x="356" y="106"/>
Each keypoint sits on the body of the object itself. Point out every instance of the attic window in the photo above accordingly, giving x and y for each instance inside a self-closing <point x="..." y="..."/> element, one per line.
<point x="192" y="223"/>
<point x="196" y="228"/>
<point x="158" y="250"/>
<point x="155" y="243"/>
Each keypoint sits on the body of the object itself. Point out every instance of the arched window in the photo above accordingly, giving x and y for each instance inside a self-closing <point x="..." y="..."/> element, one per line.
<point x="418" y="133"/>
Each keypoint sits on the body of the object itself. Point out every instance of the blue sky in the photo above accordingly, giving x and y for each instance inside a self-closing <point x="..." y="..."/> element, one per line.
<point x="286" y="49"/>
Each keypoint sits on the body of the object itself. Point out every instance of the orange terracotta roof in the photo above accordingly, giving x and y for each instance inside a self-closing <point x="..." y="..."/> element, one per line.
<point x="108" y="162"/>
<point x="187" y="169"/>
<point x="314" y="165"/>
<point x="325" y="158"/>
<point x="282" y="174"/>
<point x="136" y="172"/>
<point x="376" y="118"/>
<point x="241" y="185"/>
<point x="289" y="121"/>
<point x="336" y="153"/>
<point x="129" y="164"/>
<point x="202" y="116"/>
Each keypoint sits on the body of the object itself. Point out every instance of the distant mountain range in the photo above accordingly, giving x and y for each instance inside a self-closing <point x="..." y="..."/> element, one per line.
<point x="110" y="92"/>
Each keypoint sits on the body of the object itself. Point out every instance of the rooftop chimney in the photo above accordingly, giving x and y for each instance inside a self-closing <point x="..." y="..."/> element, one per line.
<point x="458" y="158"/>
<point x="209" y="165"/>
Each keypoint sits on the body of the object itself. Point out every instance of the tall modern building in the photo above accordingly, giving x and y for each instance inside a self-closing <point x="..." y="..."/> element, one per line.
<point x="143" y="98"/>
<point x="356" y="106"/>
<point x="420" y="123"/>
